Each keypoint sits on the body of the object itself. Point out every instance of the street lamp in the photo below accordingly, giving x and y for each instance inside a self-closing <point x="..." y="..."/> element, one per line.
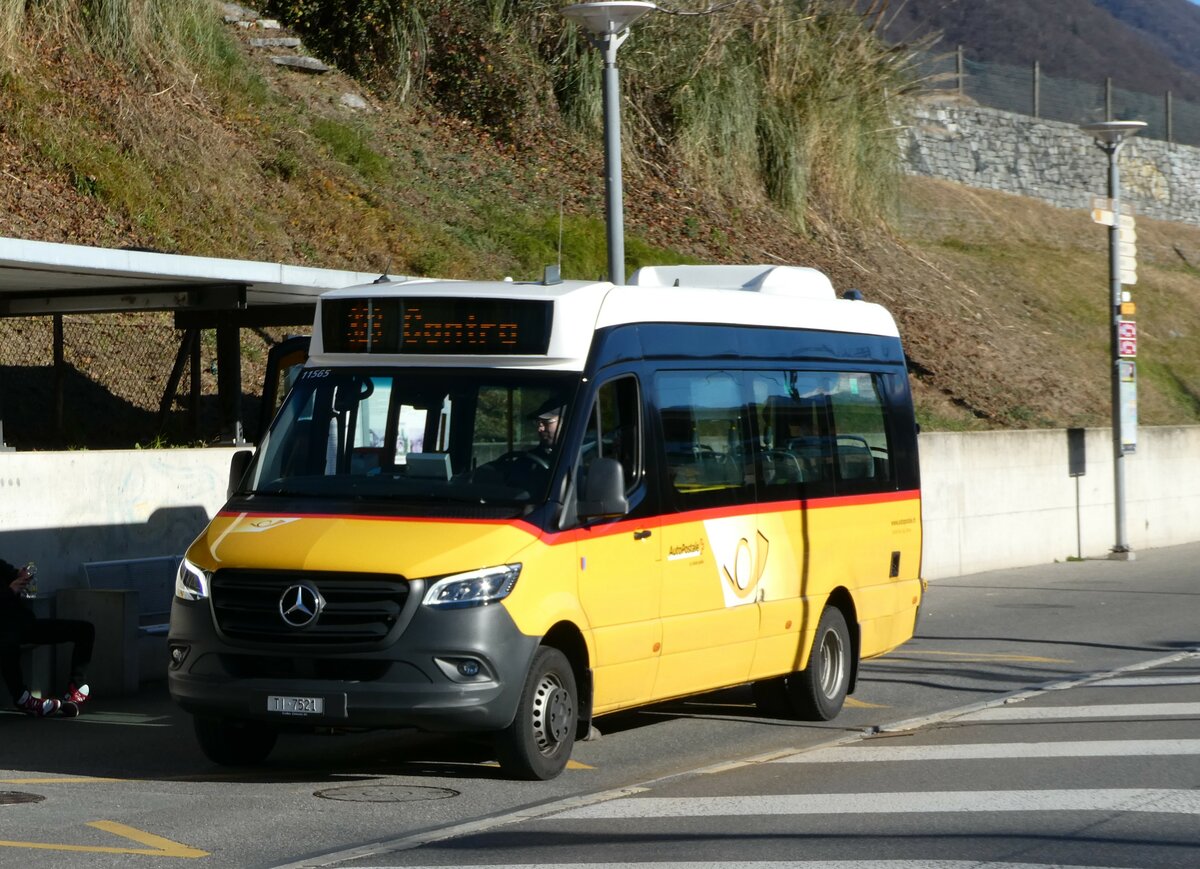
<point x="1110" y="136"/>
<point x="607" y="25"/>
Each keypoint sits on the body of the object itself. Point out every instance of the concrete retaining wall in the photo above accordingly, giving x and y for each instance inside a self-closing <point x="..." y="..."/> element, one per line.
<point x="1005" y="499"/>
<point x="1049" y="160"/>
<point x="991" y="500"/>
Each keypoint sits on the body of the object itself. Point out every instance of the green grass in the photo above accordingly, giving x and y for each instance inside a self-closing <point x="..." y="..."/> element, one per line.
<point x="350" y="145"/>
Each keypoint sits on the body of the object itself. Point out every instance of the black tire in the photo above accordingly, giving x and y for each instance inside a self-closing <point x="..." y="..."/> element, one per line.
<point x="818" y="691"/>
<point x="233" y="743"/>
<point x="538" y="743"/>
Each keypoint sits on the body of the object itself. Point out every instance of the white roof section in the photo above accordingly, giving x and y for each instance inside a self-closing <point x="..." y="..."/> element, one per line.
<point x="798" y="282"/>
<point x="38" y="277"/>
<point x="769" y="296"/>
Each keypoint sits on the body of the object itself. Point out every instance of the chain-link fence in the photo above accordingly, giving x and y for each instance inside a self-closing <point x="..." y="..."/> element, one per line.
<point x="1025" y="90"/>
<point x="109" y="390"/>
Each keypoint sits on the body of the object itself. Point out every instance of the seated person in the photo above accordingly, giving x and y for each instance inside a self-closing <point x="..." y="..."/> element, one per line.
<point x="529" y="469"/>
<point x="19" y="625"/>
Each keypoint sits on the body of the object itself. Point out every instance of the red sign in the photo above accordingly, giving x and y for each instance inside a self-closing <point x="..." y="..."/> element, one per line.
<point x="1127" y="338"/>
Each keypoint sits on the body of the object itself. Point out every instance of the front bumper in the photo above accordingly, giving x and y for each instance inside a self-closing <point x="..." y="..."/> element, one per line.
<point x="413" y="682"/>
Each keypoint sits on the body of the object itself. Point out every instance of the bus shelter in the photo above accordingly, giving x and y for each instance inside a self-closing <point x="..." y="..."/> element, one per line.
<point x="39" y="279"/>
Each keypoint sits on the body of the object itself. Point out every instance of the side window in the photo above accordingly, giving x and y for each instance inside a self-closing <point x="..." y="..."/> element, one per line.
<point x="863" y="457"/>
<point x="793" y="433"/>
<point x="820" y="433"/>
<point x="615" y="430"/>
<point x="706" y="440"/>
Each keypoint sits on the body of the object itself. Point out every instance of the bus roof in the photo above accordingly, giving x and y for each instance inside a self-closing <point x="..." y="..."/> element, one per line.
<point x="749" y="295"/>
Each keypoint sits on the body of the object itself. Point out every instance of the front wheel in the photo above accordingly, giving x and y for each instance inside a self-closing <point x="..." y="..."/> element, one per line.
<point x="233" y="743"/>
<point x="818" y="691"/>
<point x="538" y="743"/>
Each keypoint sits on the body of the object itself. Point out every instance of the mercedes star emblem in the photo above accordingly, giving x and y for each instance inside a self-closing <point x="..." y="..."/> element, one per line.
<point x="300" y="604"/>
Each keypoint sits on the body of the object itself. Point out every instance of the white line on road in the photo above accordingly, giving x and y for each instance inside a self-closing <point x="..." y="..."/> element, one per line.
<point x="1148" y="681"/>
<point x="1017" y="712"/>
<point x="785" y="864"/>
<point x="859" y="753"/>
<point x="1183" y="802"/>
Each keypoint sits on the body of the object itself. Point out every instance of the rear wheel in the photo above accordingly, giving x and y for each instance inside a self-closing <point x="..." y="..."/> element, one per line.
<point x="233" y="743"/>
<point x="818" y="691"/>
<point x="538" y="743"/>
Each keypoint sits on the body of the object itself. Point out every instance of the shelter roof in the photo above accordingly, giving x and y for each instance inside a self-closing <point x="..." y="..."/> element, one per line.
<point x="38" y="278"/>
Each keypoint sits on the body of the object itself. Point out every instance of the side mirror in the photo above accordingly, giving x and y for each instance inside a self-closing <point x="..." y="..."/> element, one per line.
<point x="604" y="495"/>
<point x="237" y="470"/>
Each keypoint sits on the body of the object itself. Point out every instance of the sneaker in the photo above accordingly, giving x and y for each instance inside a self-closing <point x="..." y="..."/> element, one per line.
<point x="36" y="706"/>
<point x="73" y="700"/>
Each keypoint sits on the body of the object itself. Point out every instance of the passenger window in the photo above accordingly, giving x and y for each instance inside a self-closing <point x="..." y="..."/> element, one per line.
<point x="615" y="431"/>
<point x="862" y="445"/>
<point x="793" y="433"/>
<point x="706" y="440"/>
<point x="820" y="433"/>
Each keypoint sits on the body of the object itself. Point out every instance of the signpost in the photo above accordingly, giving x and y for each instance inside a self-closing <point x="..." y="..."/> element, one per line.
<point x="1110" y="211"/>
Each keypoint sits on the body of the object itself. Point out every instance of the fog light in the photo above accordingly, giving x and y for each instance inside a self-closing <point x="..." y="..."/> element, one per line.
<point x="178" y="655"/>
<point x="465" y="670"/>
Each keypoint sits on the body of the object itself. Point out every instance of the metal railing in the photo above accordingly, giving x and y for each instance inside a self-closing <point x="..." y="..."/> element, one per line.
<point x="1027" y="91"/>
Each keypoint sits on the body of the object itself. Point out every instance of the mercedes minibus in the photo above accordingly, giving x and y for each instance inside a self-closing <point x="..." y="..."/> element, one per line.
<point x="505" y="508"/>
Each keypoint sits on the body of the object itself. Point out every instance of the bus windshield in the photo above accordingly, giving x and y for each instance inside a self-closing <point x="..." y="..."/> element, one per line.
<point x="421" y="435"/>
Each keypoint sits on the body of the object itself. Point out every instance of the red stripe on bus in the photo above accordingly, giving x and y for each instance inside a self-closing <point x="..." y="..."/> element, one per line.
<point x="620" y="526"/>
<point x="627" y="525"/>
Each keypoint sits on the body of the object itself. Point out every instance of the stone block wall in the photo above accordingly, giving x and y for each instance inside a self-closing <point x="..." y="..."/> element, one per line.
<point x="1049" y="160"/>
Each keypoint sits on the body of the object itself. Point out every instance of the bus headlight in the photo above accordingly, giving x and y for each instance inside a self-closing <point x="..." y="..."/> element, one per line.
<point x="191" y="583"/>
<point x="475" y="588"/>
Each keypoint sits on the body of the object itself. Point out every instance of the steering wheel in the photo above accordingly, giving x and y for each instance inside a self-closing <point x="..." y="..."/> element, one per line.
<point x="518" y="457"/>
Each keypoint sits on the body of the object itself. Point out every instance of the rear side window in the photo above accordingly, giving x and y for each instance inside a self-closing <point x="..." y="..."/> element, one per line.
<point x="819" y="433"/>
<point x="705" y="425"/>
<point x="861" y="446"/>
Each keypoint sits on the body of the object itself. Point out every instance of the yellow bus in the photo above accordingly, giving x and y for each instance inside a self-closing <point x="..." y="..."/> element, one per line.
<point x="507" y="508"/>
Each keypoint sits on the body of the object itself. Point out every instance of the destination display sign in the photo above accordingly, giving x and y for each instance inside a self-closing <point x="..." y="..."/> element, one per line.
<point x="438" y="326"/>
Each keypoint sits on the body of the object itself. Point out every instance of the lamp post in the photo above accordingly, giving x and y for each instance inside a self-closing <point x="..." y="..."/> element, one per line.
<point x="607" y="25"/>
<point x="1110" y="136"/>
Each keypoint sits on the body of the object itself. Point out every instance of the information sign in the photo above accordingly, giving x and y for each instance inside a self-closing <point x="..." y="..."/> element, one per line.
<point x="1127" y="374"/>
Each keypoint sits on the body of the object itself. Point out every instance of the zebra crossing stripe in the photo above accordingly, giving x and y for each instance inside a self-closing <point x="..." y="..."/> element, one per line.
<point x="995" y="751"/>
<point x="781" y="864"/>
<point x="1147" y="681"/>
<point x="1178" y="802"/>
<point x="1017" y="712"/>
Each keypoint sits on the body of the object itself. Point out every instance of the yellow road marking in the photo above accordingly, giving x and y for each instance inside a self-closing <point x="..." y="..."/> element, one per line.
<point x="969" y="657"/>
<point x="156" y="846"/>
<point x="863" y="704"/>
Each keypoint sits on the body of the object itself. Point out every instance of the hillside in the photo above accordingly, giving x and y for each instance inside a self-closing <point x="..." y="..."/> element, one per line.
<point x="1144" y="45"/>
<point x="1000" y="300"/>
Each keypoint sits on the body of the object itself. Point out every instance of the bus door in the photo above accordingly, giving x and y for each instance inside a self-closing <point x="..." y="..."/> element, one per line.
<point x="620" y="563"/>
<point x="880" y="533"/>
<point x="713" y="555"/>
<point x="795" y="468"/>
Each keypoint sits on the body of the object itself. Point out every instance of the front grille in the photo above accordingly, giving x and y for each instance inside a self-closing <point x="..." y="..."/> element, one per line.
<point x="360" y="609"/>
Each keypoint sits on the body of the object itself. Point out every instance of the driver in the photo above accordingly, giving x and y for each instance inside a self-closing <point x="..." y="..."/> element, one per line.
<point x="546" y="421"/>
<point x="529" y="469"/>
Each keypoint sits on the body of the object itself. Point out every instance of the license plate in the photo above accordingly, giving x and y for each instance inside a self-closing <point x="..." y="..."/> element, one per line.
<point x="296" y="705"/>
